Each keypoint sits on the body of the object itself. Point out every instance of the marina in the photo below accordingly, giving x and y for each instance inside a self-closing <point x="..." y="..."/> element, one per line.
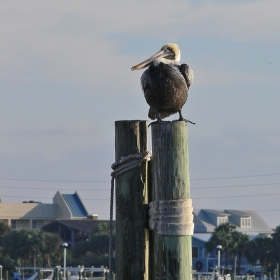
<point x="72" y="273"/>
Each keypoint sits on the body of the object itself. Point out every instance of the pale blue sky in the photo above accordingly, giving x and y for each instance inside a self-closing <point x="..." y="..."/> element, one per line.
<point x="65" y="79"/>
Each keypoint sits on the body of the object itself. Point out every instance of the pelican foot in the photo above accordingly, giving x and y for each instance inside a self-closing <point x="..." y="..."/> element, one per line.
<point x="182" y="119"/>
<point x="158" y="121"/>
<point x="187" y="121"/>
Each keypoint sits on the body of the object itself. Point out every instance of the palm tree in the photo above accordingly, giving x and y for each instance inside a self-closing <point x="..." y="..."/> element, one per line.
<point x="276" y="245"/>
<point x="240" y="241"/>
<point x="222" y="235"/>
<point x="31" y="246"/>
<point x="259" y="248"/>
<point x="4" y="229"/>
<point x="50" y="249"/>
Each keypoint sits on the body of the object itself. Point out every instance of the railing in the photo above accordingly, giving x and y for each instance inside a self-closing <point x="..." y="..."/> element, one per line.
<point x="203" y="276"/>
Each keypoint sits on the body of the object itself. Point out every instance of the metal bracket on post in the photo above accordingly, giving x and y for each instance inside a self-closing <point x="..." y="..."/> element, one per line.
<point x="171" y="217"/>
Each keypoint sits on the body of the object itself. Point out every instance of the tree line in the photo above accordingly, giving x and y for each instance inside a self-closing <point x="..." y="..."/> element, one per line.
<point x="262" y="249"/>
<point x="37" y="248"/>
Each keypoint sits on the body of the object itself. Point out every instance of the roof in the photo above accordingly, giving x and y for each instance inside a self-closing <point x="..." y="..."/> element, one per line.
<point x="82" y="225"/>
<point x="205" y="221"/>
<point x="75" y="205"/>
<point x="202" y="236"/>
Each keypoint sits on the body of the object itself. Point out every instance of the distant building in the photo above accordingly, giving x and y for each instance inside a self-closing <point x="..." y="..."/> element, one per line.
<point x="246" y="221"/>
<point x="206" y="220"/>
<point x="69" y="219"/>
<point x="34" y="215"/>
<point x="74" y="231"/>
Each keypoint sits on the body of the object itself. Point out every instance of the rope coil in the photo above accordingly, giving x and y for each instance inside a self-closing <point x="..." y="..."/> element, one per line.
<point x="126" y="163"/>
<point x="121" y="166"/>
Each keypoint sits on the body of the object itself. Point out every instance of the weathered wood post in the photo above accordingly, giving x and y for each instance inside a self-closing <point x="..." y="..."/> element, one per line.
<point x="56" y="273"/>
<point x="131" y="196"/>
<point x="151" y="233"/>
<point x="171" y="210"/>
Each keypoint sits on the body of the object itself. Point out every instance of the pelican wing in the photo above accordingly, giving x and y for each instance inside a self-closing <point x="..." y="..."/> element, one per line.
<point x="187" y="72"/>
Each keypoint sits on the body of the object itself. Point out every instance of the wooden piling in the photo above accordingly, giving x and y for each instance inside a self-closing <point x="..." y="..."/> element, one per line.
<point x="170" y="164"/>
<point x="56" y="273"/>
<point x="131" y="197"/>
<point x="151" y="233"/>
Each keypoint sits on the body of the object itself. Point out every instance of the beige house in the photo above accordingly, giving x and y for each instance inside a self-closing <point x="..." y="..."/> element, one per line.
<point x="34" y="215"/>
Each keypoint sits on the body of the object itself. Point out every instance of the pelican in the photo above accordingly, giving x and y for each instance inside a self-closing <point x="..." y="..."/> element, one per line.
<point x="165" y="83"/>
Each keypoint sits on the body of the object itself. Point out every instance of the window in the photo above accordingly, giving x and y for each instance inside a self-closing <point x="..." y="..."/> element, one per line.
<point x="195" y="252"/>
<point x="246" y="222"/>
<point x="34" y="223"/>
<point x="222" y="220"/>
<point x="66" y="235"/>
<point x="13" y="223"/>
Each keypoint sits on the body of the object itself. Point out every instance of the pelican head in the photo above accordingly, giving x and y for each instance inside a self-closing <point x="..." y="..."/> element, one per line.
<point x="169" y="54"/>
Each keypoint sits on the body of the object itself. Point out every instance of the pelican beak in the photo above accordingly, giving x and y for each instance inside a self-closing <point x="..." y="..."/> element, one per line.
<point x="147" y="62"/>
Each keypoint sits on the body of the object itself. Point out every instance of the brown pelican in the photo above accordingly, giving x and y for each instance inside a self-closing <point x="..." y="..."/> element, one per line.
<point x="165" y="83"/>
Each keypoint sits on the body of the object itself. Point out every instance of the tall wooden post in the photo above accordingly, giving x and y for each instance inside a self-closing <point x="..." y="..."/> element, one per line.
<point x="171" y="204"/>
<point x="131" y="195"/>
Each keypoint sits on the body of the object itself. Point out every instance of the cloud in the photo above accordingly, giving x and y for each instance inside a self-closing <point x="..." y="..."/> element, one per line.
<point x="76" y="164"/>
<point x="245" y="21"/>
<point x="205" y="76"/>
<point x="254" y="142"/>
<point x="65" y="78"/>
<point x="224" y="152"/>
<point x="69" y="42"/>
<point x="80" y="127"/>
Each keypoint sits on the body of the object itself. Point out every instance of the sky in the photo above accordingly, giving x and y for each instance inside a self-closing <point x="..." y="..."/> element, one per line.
<point x="65" y="78"/>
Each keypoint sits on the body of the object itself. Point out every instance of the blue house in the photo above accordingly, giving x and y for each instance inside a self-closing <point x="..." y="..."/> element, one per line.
<point x="206" y="220"/>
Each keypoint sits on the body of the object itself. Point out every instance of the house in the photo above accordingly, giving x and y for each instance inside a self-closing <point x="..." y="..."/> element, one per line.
<point x="246" y="221"/>
<point x="34" y="215"/>
<point x="206" y="220"/>
<point x="68" y="217"/>
<point x="73" y="231"/>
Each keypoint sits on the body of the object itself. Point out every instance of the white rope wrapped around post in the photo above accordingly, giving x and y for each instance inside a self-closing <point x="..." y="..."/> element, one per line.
<point x="171" y="217"/>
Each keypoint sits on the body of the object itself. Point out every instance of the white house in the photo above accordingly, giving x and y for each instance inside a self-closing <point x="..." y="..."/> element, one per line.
<point x="34" y="215"/>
